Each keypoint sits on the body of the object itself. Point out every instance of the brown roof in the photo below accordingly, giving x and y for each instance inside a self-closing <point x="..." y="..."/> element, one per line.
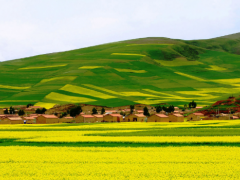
<point x="98" y="116"/>
<point x="14" y="118"/>
<point x="116" y="115"/>
<point x="49" y="116"/>
<point x="29" y="118"/>
<point x="198" y="114"/>
<point x="68" y="117"/>
<point x="178" y="115"/>
<point x="139" y="110"/>
<point x="139" y="115"/>
<point x="87" y="116"/>
<point x="161" y="115"/>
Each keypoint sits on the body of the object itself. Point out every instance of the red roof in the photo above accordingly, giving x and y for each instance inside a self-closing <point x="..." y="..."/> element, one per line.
<point x="68" y="117"/>
<point x="139" y="115"/>
<point x="49" y="116"/>
<point x="115" y="115"/>
<point x="199" y="107"/>
<point x="161" y="115"/>
<point x="29" y="118"/>
<point x="198" y="114"/>
<point x="178" y="115"/>
<point x="235" y="117"/>
<point x="87" y="116"/>
<point x="98" y="116"/>
<point x="139" y="111"/>
<point x="14" y="118"/>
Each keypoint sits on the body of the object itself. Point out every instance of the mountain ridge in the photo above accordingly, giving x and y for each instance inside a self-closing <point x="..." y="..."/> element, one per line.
<point x="145" y="70"/>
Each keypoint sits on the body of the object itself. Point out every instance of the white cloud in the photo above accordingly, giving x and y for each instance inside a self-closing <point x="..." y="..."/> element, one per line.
<point x="43" y="26"/>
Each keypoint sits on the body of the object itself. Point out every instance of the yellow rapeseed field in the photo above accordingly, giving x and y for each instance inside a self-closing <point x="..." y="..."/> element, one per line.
<point x="45" y="104"/>
<point x="42" y="67"/>
<point x="25" y="162"/>
<point x="70" y="78"/>
<point x="130" y="70"/>
<point x="216" y="68"/>
<point x="190" y="76"/>
<point x="65" y="98"/>
<point x="13" y="87"/>
<point x="71" y="151"/>
<point x="85" y="91"/>
<point x="149" y="44"/>
<point x="127" y="54"/>
<point x="90" y="67"/>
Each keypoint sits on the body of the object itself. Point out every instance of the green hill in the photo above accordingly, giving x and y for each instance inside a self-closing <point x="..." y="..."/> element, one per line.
<point x="146" y="70"/>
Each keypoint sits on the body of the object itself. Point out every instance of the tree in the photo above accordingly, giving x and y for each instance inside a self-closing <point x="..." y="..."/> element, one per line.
<point x="164" y="108"/>
<point x="103" y="111"/>
<point x="192" y="104"/>
<point x="63" y="115"/>
<point x="38" y="111"/>
<point x="158" y="109"/>
<point x="145" y="111"/>
<point x="43" y="110"/>
<point x="6" y="111"/>
<point x="11" y="110"/>
<point x="29" y="105"/>
<point x="21" y="112"/>
<point x="131" y="109"/>
<point x="75" y="111"/>
<point x="122" y="113"/>
<point x="94" y="111"/>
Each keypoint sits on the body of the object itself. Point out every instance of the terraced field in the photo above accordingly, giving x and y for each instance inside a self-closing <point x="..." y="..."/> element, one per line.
<point x="147" y="70"/>
<point x="190" y="150"/>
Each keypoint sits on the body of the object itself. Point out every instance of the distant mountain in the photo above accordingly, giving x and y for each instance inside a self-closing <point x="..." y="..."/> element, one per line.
<point x="149" y="70"/>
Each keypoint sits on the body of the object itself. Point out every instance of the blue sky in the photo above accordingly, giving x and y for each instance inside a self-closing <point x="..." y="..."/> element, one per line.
<point x="32" y="27"/>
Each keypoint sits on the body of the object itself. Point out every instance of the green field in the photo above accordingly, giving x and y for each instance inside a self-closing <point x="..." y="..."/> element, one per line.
<point x="189" y="150"/>
<point x="146" y="70"/>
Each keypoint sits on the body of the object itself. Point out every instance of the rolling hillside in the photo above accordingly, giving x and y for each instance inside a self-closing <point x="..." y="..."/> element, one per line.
<point x="146" y="70"/>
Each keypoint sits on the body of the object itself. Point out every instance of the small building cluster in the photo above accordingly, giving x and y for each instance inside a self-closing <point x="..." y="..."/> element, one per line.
<point x="60" y="114"/>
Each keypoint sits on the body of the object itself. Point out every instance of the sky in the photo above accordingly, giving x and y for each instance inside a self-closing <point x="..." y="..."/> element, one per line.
<point x="33" y="27"/>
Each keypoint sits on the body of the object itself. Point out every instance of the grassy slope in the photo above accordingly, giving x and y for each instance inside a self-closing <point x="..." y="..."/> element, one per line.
<point x="176" y="72"/>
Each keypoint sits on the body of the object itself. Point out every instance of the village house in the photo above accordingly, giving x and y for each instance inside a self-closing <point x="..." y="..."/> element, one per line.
<point x="30" y="119"/>
<point x="98" y="117"/>
<point x="66" y="120"/>
<point x="234" y="117"/>
<point x="135" y="118"/>
<point x="113" y="118"/>
<point x="16" y="120"/>
<point x="5" y="120"/>
<point x="1" y="111"/>
<point x="176" y="118"/>
<point x="139" y="111"/>
<point x="47" y="119"/>
<point x="195" y="117"/>
<point x="85" y="118"/>
<point x="158" y="118"/>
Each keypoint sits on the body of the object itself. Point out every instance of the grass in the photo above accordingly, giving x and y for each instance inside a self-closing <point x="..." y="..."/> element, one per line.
<point x="189" y="150"/>
<point x="165" y="67"/>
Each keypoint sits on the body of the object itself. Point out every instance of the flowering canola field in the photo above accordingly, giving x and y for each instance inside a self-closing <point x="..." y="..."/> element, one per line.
<point x="190" y="150"/>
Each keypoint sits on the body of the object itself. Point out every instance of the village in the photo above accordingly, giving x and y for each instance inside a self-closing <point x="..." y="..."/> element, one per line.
<point x="130" y="113"/>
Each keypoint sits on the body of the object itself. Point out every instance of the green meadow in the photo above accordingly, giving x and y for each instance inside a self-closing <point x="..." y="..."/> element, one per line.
<point x="146" y="70"/>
